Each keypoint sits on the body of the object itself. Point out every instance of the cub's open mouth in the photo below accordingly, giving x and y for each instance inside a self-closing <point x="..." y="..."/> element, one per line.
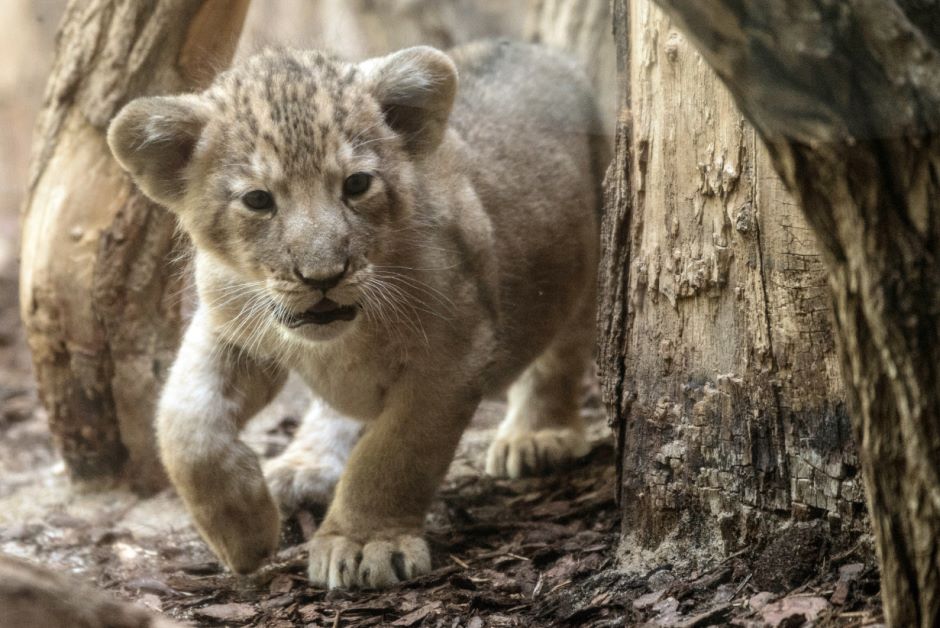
<point x="323" y="313"/>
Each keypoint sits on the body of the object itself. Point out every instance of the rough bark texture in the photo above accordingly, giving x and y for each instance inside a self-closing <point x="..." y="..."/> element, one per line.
<point x="99" y="296"/>
<point x="33" y="596"/>
<point x="717" y="348"/>
<point x="846" y="96"/>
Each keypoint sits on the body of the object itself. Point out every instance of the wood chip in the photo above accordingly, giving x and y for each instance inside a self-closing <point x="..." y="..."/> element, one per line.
<point x="841" y="593"/>
<point x="150" y="601"/>
<point x="793" y="607"/>
<point x="712" y="617"/>
<point x="417" y="616"/>
<point x="281" y="584"/>
<point x="647" y="601"/>
<point x="150" y="585"/>
<point x="235" y="612"/>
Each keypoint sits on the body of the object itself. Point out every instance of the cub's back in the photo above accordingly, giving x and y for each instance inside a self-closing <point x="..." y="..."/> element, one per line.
<point x="513" y="90"/>
<point x="535" y="151"/>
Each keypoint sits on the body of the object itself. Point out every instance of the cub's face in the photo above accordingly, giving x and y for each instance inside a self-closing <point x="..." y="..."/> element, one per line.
<point x="294" y="171"/>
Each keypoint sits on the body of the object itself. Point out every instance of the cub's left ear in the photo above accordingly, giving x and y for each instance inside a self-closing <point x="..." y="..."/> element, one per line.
<point x="154" y="140"/>
<point x="415" y="88"/>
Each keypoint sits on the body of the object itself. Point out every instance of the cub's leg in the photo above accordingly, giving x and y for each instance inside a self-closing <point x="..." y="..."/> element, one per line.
<point x="543" y="428"/>
<point x="211" y="392"/>
<point x="306" y="473"/>
<point x="372" y="534"/>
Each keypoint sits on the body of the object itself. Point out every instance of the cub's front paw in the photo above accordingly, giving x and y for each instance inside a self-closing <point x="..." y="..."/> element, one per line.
<point x="519" y="453"/>
<point x="246" y="535"/>
<point x="339" y="562"/>
<point x="232" y="508"/>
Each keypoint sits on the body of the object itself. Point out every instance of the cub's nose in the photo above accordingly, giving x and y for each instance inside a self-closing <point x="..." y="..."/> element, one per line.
<point x="322" y="281"/>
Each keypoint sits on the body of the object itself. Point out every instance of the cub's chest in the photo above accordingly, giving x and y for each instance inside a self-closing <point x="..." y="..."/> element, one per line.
<point x="355" y="380"/>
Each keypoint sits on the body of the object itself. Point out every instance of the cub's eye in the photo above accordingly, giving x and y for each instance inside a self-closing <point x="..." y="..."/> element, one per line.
<point x="258" y="200"/>
<point x="356" y="184"/>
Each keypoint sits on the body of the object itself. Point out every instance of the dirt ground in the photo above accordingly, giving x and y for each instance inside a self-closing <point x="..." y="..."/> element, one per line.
<point x="538" y="552"/>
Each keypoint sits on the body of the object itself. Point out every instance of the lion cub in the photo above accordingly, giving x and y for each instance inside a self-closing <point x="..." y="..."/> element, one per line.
<point x="406" y="246"/>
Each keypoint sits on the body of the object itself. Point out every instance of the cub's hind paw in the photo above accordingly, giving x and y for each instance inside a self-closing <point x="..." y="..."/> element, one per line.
<point x="338" y="562"/>
<point x="520" y="453"/>
<point x="297" y="480"/>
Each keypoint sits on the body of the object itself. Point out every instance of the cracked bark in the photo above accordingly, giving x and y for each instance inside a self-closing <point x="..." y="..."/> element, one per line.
<point x="846" y="95"/>
<point x="98" y="291"/>
<point x="717" y="349"/>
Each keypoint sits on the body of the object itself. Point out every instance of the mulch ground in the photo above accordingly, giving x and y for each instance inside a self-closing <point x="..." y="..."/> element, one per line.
<point x="535" y="552"/>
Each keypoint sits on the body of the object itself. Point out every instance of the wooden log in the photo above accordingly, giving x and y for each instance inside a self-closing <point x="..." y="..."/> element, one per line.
<point x="31" y="595"/>
<point x="846" y="97"/>
<point x="100" y="279"/>
<point x="716" y="344"/>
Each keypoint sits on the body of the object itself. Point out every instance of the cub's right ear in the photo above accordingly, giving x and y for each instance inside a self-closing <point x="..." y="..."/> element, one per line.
<point x="415" y="88"/>
<point x="154" y="140"/>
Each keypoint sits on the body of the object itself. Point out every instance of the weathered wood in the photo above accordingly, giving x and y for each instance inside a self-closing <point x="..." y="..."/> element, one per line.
<point x="846" y="96"/>
<point x="617" y="235"/>
<point x="99" y="284"/>
<point x="33" y="596"/>
<point x="716" y="345"/>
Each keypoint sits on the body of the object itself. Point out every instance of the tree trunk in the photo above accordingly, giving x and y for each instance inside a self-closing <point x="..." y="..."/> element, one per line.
<point x="100" y="282"/>
<point x="716" y="346"/>
<point x="31" y="596"/>
<point x="846" y="97"/>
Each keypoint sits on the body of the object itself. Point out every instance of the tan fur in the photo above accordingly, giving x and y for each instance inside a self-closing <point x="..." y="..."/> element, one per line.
<point x="471" y="259"/>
